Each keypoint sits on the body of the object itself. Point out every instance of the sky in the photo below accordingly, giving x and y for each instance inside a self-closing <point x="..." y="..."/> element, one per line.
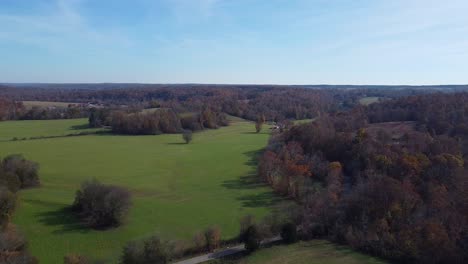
<point x="412" y="42"/>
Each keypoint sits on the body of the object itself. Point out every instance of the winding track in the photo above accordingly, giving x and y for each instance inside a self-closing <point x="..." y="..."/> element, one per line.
<point x="224" y="252"/>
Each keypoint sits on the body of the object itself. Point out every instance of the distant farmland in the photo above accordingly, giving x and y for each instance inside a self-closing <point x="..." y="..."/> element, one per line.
<point x="369" y="100"/>
<point x="43" y="128"/>
<point x="31" y="104"/>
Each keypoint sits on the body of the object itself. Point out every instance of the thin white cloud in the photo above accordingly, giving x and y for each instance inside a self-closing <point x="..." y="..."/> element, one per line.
<point x="55" y="29"/>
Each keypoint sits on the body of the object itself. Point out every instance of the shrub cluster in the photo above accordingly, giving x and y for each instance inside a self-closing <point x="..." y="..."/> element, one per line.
<point x="16" y="172"/>
<point x="13" y="247"/>
<point x="101" y="205"/>
<point x="156" y="121"/>
<point x="252" y="233"/>
<point x="150" y="250"/>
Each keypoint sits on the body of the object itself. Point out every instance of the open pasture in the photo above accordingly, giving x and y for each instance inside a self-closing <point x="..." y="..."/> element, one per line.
<point x="177" y="188"/>
<point x="43" y="128"/>
<point x="44" y="104"/>
<point x="310" y="252"/>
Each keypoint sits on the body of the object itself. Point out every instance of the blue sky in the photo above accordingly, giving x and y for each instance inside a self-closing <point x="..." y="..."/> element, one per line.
<point x="235" y="41"/>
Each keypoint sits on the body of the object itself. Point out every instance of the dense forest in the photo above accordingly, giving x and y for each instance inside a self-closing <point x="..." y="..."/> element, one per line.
<point x="276" y="103"/>
<point x="388" y="179"/>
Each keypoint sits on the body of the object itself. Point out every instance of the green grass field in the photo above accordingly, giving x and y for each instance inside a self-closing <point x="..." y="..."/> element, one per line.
<point x="42" y="128"/>
<point x="369" y="100"/>
<point x="311" y="252"/>
<point x="31" y="104"/>
<point x="177" y="188"/>
<point x="303" y="121"/>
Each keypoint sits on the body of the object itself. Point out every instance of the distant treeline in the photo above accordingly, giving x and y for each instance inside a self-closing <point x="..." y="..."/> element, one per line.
<point x="275" y="102"/>
<point x="13" y="110"/>
<point x="399" y="192"/>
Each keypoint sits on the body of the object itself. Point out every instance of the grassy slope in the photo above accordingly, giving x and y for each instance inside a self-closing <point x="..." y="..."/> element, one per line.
<point x="178" y="188"/>
<point x="312" y="252"/>
<point x="38" y="128"/>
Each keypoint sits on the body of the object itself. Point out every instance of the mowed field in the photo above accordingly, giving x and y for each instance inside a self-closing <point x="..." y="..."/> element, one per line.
<point x="178" y="189"/>
<point x="42" y="128"/>
<point x="31" y="104"/>
<point x="310" y="252"/>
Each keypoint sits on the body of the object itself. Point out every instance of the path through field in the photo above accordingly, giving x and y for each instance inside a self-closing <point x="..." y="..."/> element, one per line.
<point x="233" y="250"/>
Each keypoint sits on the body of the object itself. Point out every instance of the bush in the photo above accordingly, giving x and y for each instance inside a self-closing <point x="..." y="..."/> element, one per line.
<point x="151" y="250"/>
<point x="26" y="171"/>
<point x="179" y="248"/>
<point x="75" y="259"/>
<point x="252" y="238"/>
<point x="187" y="135"/>
<point x="289" y="233"/>
<point x="13" y="248"/>
<point x="10" y="181"/>
<point x="132" y="253"/>
<point x="7" y="206"/>
<point x="199" y="241"/>
<point x="213" y="237"/>
<point x="245" y="222"/>
<point x="101" y="205"/>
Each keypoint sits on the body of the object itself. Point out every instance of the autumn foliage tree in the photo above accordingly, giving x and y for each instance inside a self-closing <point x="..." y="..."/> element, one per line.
<point x="400" y="194"/>
<point x="213" y="237"/>
<point x="259" y="123"/>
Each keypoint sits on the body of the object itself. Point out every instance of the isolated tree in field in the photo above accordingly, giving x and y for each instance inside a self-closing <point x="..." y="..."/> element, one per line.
<point x="25" y="170"/>
<point x="259" y="123"/>
<point x="187" y="135"/>
<point x="258" y="126"/>
<point x="101" y="205"/>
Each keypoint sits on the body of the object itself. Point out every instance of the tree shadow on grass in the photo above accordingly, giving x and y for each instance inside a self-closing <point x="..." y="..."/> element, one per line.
<point x="64" y="219"/>
<point x="79" y="127"/>
<point x="251" y="181"/>
<point x="177" y="143"/>
<point x="253" y="158"/>
<point x="265" y="199"/>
